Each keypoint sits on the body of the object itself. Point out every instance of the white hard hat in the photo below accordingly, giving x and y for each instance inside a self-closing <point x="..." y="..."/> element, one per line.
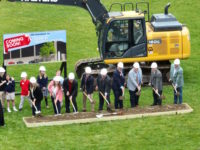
<point x="71" y="76"/>
<point x="23" y="75"/>
<point x="33" y="80"/>
<point x="104" y="71"/>
<point x="177" y="61"/>
<point x="136" y="65"/>
<point x="154" y="65"/>
<point x="42" y="68"/>
<point x="120" y="65"/>
<point x="57" y="78"/>
<point x="88" y="70"/>
<point x="2" y="70"/>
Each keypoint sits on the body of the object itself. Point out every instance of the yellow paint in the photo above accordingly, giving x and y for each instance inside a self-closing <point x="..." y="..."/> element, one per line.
<point x="174" y="44"/>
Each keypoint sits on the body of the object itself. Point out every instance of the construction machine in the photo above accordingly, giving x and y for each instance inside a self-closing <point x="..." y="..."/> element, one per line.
<point x="130" y="36"/>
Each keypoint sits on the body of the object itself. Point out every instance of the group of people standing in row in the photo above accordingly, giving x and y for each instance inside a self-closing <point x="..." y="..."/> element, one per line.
<point x="37" y="89"/>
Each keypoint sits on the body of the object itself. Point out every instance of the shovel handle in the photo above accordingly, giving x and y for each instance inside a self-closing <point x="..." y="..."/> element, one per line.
<point x="34" y="106"/>
<point x="56" y="106"/>
<point x="104" y="98"/>
<point x="174" y="88"/>
<point x="156" y="92"/>
<point x="72" y="105"/>
<point x="91" y="101"/>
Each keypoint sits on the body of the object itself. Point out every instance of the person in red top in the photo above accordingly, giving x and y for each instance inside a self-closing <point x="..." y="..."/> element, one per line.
<point x="70" y="86"/>
<point x="24" y="84"/>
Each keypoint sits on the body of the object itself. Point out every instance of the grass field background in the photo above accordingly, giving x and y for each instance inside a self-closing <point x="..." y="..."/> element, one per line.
<point x="180" y="132"/>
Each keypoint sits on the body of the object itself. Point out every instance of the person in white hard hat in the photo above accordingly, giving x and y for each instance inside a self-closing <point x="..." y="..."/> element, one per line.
<point x="2" y="86"/>
<point x="87" y="86"/>
<point x="134" y="83"/>
<point x="56" y="93"/>
<point x="24" y="84"/>
<point x="10" y="92"/>
<point x="176" y="77"/>
<point x="42" y="80"/>
<point x="70" y="86"/>
<point x="118" y="85"/>
<point x="156" y="83"/>
<point x="103" y="86"/>
<point x="35" y="95"/>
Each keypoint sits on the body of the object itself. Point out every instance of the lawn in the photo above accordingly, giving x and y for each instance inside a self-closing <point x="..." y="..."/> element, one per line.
<point x="180" y="132"/>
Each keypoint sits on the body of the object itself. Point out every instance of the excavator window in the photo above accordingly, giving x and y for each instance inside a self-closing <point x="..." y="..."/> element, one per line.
<point x="138" y="32"/>
<point x="123" y="36"/>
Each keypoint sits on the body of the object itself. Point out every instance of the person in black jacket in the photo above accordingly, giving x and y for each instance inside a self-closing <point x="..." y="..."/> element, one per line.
<point x="10" y="92"/>
<point x="1" y="115"/>
<point x="87" y="86"/>
<point x="2" y="86"/>
<point x="103" y="86"/>
<point x="118" y="85"/>
<point x="70" y="87"/>
<point x="42" y="80"/>
<point x="35" y="95"/>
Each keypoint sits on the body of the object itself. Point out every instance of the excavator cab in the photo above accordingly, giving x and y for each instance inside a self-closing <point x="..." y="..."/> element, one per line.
<point x="125" y="38"/>
<point x="124" y="33"/>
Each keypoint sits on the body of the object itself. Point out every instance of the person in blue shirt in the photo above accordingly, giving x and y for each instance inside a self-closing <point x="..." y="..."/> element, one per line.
<point x="10" y="92"/>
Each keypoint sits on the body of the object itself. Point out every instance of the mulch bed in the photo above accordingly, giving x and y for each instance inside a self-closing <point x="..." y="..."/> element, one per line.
<point x="91" y="115"/>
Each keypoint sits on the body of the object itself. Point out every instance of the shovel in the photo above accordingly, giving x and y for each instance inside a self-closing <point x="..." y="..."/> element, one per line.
<point x="56" y="108"/>
<point x="160" y="96"/>
<point x="138" y="93"/>
<point x="108" y="114"/>
<point x="36" y="110"/>
<point x="91" y="101"/>
<point x="122" y="97"/>
<point x="75" y="112"/>
<point x="109" y="105"/>
<point x="177" y="93"/>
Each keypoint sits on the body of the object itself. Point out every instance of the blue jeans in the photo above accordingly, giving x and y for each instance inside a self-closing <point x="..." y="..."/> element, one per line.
<point x="180" y="97"/>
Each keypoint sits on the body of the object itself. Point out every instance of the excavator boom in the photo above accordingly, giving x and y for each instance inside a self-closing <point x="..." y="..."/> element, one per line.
<point x="97" y="11"/>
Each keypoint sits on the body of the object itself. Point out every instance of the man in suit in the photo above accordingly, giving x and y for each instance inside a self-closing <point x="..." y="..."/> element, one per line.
<point x="156" y="83"/>
<point x="118" y="85"/>
<point x="103" y="86"/>
<point x="134" y="84"/>
<point x="70" y="87"/>
<point x="87" y="86"/>
<point x="176" y="76"/>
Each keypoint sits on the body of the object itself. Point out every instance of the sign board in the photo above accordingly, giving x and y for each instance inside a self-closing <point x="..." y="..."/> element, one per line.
<point x="34" y="47"/>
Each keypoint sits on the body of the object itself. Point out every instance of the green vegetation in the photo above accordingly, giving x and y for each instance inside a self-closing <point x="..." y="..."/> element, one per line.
<point x="47" y="49"/>
<point x="180" y="132"/>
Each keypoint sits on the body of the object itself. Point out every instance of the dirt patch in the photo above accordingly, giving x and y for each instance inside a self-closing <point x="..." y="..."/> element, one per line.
<point x="90" y="115"/>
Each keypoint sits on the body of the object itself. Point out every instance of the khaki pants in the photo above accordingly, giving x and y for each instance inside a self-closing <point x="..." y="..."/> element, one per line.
<point x="85" y="100"/>
<point x="2" y="98"/>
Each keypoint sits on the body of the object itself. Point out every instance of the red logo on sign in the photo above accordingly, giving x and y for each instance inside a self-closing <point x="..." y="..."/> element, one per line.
<point x="16" y="42"/>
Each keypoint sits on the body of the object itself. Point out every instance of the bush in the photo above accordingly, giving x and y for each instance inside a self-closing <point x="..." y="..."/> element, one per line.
<point x="47" y="49"/>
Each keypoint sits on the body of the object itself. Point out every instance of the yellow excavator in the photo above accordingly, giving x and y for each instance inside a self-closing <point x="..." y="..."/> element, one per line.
<point x="130" y="36"/>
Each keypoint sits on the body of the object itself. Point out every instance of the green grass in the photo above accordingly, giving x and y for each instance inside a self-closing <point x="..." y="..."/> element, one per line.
<point x="156" y="133"/>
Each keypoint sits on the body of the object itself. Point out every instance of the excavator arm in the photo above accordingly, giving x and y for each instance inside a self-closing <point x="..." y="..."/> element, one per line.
<point x="97" y="11"/>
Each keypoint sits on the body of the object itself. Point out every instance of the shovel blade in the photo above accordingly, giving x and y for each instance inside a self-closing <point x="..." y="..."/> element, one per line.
<point x="99" y="116"/>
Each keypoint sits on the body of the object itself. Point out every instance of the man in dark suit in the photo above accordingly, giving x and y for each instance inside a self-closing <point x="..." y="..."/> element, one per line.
<point x="103" y="86"/>
<point x="156" y="83"/>
<point x="87" y="86"/>
<point x="70" y="87"/>
<point x="118" y="85"/>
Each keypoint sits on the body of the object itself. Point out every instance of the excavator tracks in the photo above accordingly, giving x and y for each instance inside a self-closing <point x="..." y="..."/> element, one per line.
<point x="97" y="64"/>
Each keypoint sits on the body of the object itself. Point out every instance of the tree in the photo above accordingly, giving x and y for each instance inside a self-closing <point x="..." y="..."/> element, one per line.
<point x="47" y="49"/>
